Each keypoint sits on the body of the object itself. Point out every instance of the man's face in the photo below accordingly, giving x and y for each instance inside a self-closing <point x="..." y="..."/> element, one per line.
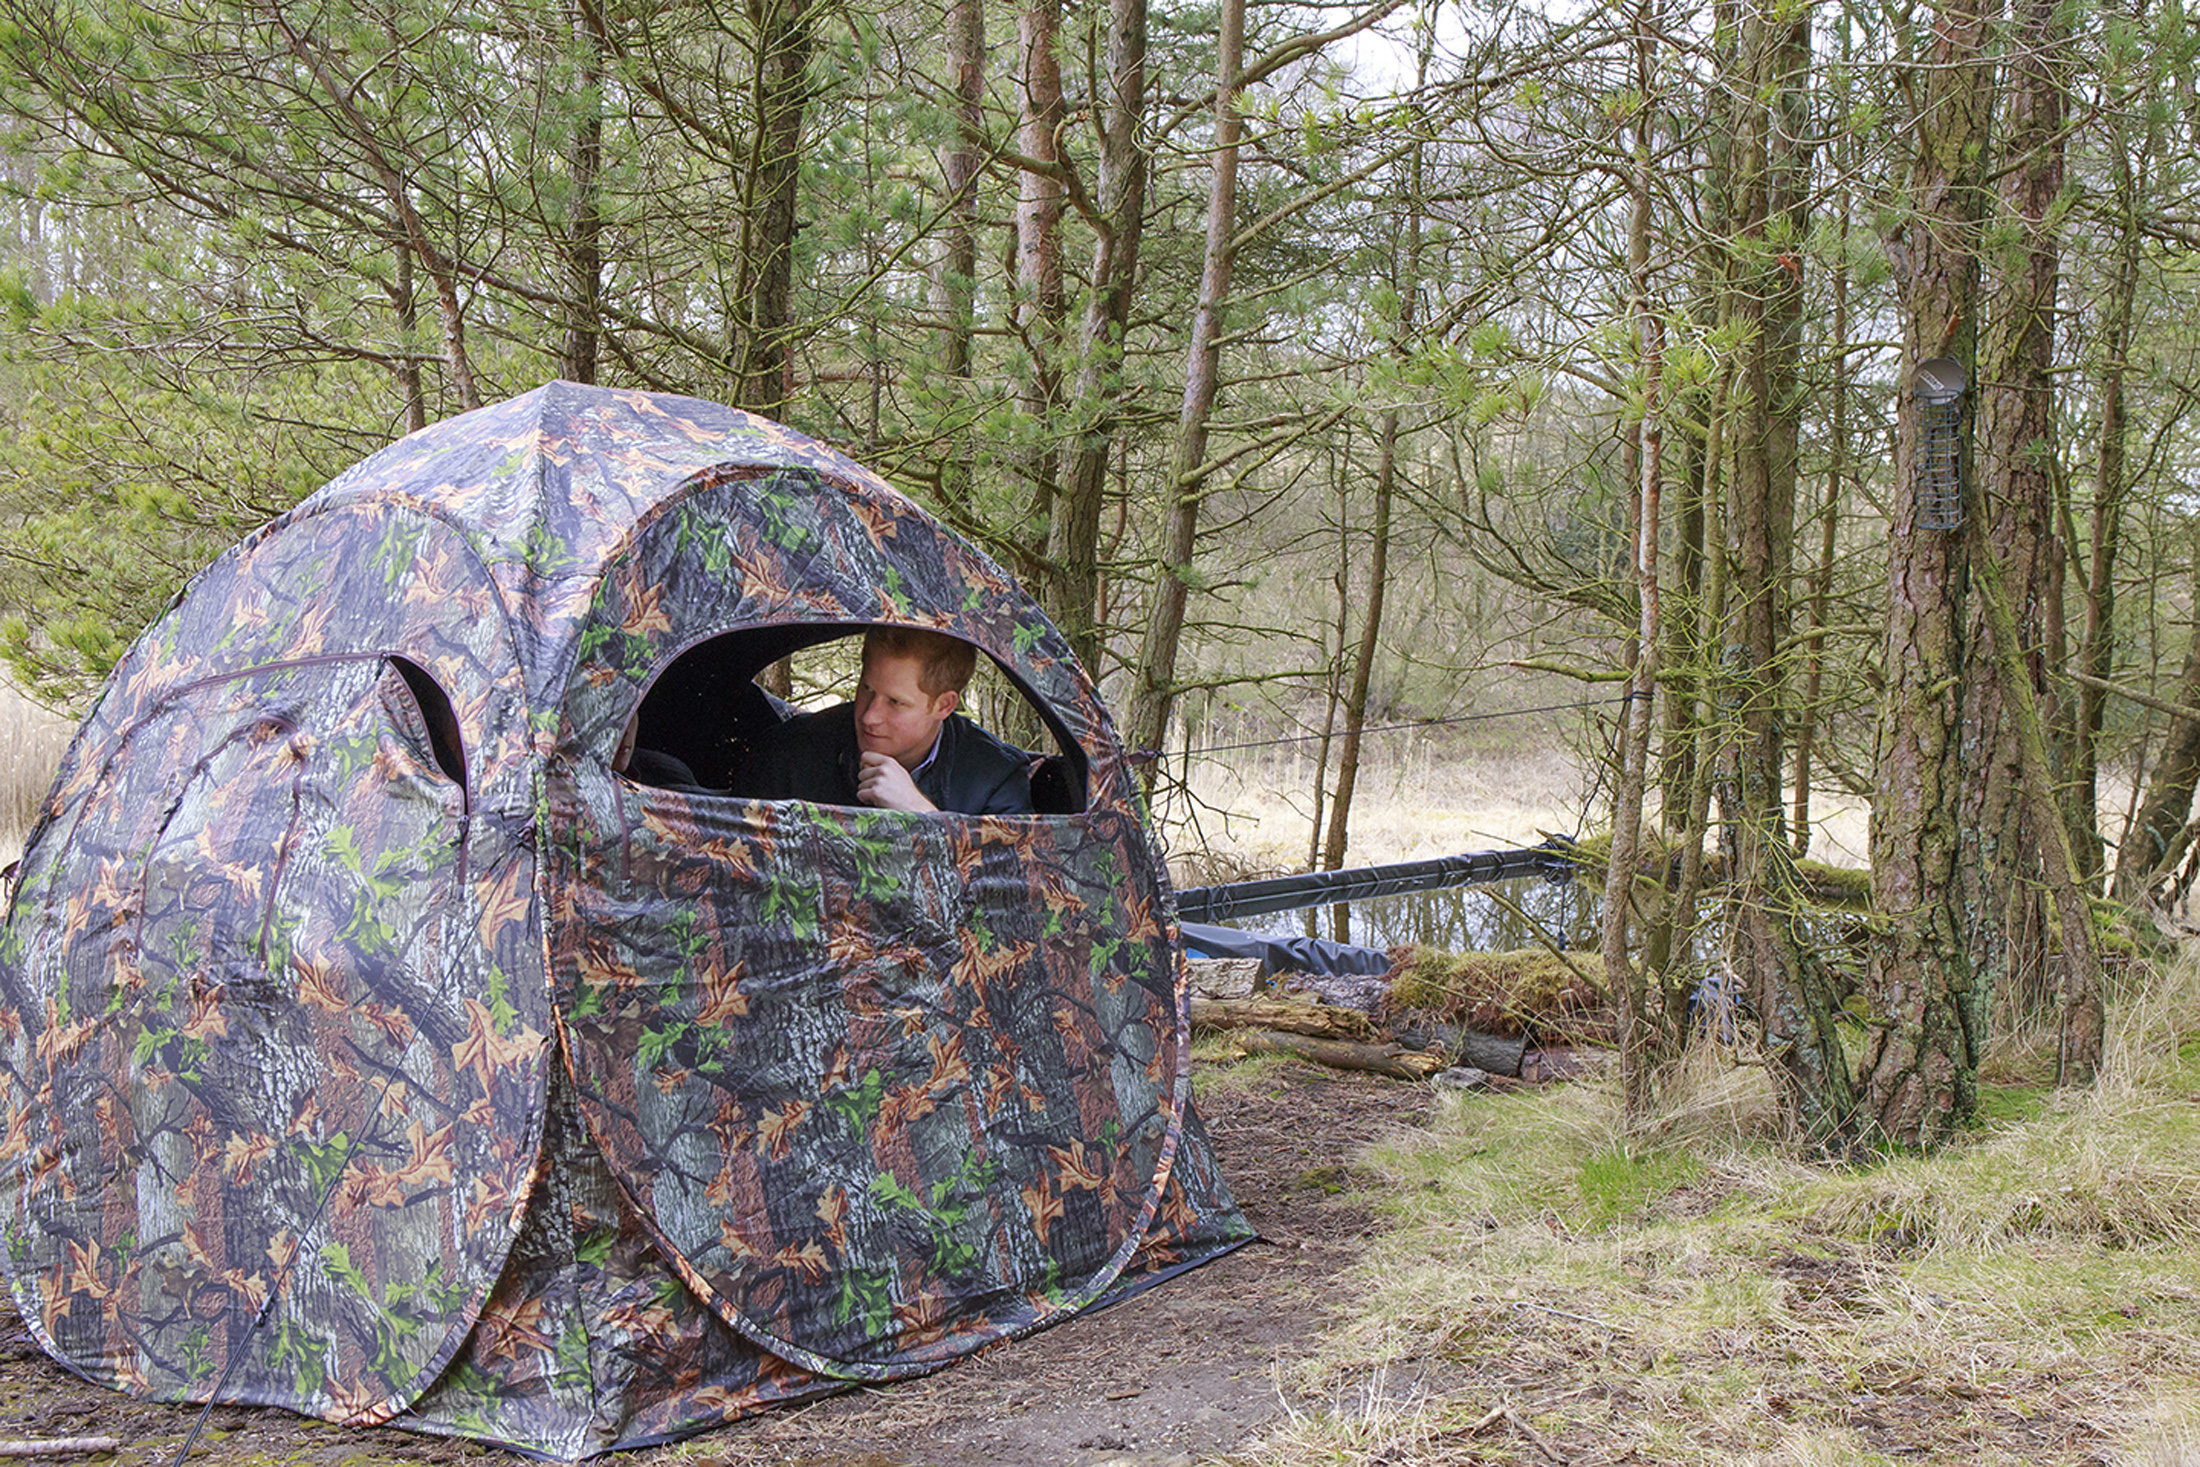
<point x="894" y="714"/>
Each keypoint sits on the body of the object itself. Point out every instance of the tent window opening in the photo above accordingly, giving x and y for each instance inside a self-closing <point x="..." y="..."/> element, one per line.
<point x="708" y="719"/>
<point x="437" y="713"/>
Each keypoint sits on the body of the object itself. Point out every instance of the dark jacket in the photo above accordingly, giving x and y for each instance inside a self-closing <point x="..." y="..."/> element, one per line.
<point x="814" y="757"/>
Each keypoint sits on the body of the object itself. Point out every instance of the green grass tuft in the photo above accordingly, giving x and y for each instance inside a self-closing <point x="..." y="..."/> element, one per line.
<point x="1622" y="1181"/>
<point x="2009" y="1103"/>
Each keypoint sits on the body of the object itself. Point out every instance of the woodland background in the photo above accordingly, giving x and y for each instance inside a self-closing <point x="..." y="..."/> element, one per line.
<point x="1319" y="369"/>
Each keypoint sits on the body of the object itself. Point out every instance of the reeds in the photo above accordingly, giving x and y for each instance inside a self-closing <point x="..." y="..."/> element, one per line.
<point x="35" y="738"/>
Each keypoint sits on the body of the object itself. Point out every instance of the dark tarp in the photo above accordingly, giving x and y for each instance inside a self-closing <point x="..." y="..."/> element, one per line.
<point x="344" y="977"/>
<point x="1284" y="953"/>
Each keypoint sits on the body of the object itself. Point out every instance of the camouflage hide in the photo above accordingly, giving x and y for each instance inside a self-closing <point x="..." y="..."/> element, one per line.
<point x="482" y="1090"/>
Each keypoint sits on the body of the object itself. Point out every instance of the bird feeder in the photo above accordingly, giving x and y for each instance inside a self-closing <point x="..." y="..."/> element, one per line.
<point x="1939" y="385"/>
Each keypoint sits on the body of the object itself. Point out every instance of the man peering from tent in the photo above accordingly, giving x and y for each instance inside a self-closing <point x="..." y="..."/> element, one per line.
<point x="900" y="744"/>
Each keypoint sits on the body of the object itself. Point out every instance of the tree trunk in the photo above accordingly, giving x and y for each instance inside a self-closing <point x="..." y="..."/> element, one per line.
<point x="406" y="306"/>
<point x="1071" y="589"/>
<point x="1808" y="717"/>
<point x="1920" y="1062"/>
<point x="584" y="234"/>
<point x="2079" y="1059"/>
<point x="1640" y="1032"/>
<point x="2005" y="932"/>
<point x="1790" y="988"/>
<point x="1406" y="282"/>
<point x="1363" y="656"/>
<point x="1333" y="675"/>
<point x="955" y="290"/>
<point x="764" y="301"/>
<point x="2097" y="655"/>
<point x="1670" y="952"/>
<point x="1285" y="1016"/>
<point x="411" y="230"/>
<point x="1154" y="687"/>
<point x="1037" y="317"/>
<point x="2157" y="837"/>
<point x="1394" y="1060"/>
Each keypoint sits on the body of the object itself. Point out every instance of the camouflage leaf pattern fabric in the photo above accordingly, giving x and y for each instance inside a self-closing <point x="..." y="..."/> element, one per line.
<point x="511" y="1099"/>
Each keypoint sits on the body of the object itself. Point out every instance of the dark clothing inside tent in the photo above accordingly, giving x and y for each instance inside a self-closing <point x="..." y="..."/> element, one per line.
<point x="373" y="1048"/>
<point x="814" y="757"/>
<point x="654" y="766"/>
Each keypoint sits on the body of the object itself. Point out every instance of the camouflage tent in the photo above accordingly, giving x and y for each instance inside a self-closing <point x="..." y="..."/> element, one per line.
<point x="374" y="1049"/>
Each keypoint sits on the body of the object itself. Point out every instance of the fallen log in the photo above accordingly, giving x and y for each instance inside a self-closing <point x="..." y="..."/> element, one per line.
<point x="1288" y="1016"/>
<point x="1497" y="1053"/>
<point x="60" y="1446"/>
<point x="1394" y="1060"/>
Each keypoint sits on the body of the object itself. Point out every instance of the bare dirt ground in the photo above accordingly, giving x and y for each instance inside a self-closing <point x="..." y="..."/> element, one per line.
<point x="1189" y="1368"/>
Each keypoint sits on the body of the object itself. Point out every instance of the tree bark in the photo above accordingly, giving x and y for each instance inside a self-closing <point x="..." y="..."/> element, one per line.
<point x="1640" y="1030"/>
<point x="1041" y="308"/>
<point x="1790" y="989"/>
<point x="1071" y="588"/>
<point x="584" y="233"/>
<point x="2079" y="1059"/>
<point x="1920" y="1063"/>
<point x="2097" y="654"/>
<point x="2005" y="930"/>
<point x="763" y="303"/>
<point x="956" y="290"/>
<point x="1155" y="683"/>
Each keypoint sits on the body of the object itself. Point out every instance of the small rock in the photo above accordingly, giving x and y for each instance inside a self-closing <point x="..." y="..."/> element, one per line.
<point x="1460" y="1077"/>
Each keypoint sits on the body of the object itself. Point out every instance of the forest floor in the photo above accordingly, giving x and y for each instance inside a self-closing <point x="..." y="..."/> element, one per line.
<point x="1186" y="1370"/>
<point x="1511" y="1278"/>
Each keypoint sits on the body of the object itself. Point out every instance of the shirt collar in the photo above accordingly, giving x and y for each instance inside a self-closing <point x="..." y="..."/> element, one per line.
<point x="926" y="762"/>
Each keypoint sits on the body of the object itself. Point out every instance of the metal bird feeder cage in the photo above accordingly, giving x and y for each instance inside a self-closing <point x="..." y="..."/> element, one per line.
<point x="1939" y="385"/>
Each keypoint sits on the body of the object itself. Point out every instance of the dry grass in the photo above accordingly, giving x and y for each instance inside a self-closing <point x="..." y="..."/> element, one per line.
<point x="1561" y="1287"/>
<point x="1245" y="813"/>
<point x="36" y="740"/>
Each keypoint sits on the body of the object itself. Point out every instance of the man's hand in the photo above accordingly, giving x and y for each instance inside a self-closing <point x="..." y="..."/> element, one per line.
<point x="884" y="783"/>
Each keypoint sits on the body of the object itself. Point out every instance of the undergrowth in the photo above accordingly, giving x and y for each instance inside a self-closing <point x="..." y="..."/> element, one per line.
<point x="1554" y="998"/>
<point x="1557" y="1285"/>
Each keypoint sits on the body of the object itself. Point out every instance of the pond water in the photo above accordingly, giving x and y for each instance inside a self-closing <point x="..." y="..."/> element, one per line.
<point x="1494" y="916"/>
